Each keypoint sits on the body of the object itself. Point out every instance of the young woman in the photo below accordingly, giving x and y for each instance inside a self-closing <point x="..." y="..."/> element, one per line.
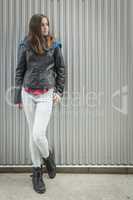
<point x="39" y="83"/>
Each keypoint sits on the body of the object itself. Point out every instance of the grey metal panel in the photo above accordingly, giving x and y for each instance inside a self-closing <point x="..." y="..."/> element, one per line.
<point x="93" y="123"/>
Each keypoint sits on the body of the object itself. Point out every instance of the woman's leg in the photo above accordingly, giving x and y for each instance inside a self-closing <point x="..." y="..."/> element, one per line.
<point x="29" y="106"/>
<point x="41" y="120"/>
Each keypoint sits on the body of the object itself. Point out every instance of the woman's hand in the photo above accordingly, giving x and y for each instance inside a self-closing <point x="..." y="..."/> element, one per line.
<point x="56" y="98"/>
<point x="19" y="105"/>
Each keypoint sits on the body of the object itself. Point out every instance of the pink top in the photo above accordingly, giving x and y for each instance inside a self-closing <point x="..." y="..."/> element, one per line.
<point x="36" y="91"/>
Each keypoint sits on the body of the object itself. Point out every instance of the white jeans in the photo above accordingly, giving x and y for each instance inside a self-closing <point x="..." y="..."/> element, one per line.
<point x="37" y="109"/>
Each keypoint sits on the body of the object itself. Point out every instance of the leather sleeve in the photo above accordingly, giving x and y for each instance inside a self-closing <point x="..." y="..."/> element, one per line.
<point x="20" y="71"/>
<point x="60" y="71"/>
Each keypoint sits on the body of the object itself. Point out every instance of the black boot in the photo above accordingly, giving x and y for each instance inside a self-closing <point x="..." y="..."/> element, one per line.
<point x="37" y="180"/>
<point x="50" y="164"/>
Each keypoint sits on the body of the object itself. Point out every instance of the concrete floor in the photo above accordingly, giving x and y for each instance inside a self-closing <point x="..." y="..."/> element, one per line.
<point x="68" y="187"/>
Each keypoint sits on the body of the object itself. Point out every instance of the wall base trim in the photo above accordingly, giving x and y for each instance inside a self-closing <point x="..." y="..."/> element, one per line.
<point x="113" y="169"/>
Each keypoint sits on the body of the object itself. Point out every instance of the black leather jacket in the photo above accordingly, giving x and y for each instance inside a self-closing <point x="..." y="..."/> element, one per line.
<point x="39" y="71"/>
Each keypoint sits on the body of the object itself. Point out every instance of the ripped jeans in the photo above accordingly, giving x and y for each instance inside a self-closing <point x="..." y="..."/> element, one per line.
<point x="38" y="109"/>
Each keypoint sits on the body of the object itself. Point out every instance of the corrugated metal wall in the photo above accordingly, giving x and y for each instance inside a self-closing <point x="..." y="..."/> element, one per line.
<point x="93" y="123"/>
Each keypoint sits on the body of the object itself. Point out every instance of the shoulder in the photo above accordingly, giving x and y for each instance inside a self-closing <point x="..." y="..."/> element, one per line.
<point x="57" y="44"/>
<point x="23" y="43"/>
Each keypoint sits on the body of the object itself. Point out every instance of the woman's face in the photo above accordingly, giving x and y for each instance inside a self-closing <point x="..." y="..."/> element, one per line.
<point x="44" y="26"/>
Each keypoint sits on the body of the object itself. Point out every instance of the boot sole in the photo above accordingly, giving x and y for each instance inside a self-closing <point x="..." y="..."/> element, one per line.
<point x="40" y="192"/>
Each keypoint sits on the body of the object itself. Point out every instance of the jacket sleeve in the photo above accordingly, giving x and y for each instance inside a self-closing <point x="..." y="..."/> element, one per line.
<point x="20" y="71"/>
<point x="60" y="70"/>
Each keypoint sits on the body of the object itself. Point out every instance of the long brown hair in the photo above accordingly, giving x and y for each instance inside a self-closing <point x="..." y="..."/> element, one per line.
<point x="36" y="39"/>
